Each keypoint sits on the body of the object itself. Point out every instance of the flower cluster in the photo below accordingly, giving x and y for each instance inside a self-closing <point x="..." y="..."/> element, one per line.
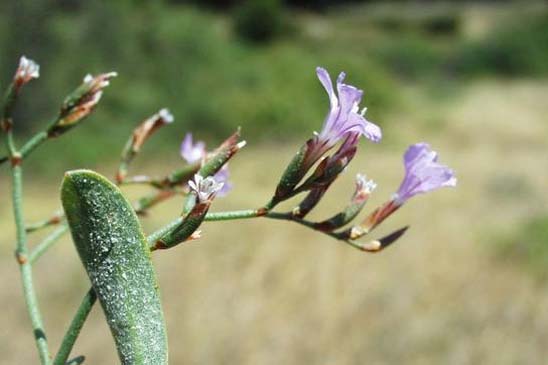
<point x="343" y="126"/>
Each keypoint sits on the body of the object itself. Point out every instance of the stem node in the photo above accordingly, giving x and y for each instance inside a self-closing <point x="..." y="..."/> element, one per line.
<point x="21" y="258"/>
<point x="16" y="159"/>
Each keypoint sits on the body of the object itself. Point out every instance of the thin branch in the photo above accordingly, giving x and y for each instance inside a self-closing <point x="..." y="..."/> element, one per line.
<point x="43" y="246"/>
<point x="21" y="251"/>
<point x="55" y="219"/>
<point x="26" y="269"/>
<point x="30" y="146"/>
<point x="75" y="327"/>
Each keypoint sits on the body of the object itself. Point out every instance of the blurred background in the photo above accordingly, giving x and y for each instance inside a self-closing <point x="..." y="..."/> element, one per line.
<point x="468" y="283"/>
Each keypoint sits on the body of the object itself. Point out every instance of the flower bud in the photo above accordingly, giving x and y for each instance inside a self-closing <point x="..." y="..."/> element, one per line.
<point x="310" y="201"/>
<point x="215" y="161"/>
<point x="363" y="190"/>
<point x="139" y="137"/>
<point x="380" y="244"/>
<point x="27" y="70"/>
<point x="373" y="220"/>
<point x="204" y="190"/>
<point x="80" y="103"/>
<point x="330" y="167"/>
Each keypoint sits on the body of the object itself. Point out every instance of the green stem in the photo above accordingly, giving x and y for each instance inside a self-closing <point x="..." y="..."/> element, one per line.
<point x="304" y="222"/>
<point x="236" y="214"/>
<point x="75" y="327"/>
<point x="26" y="268"/>
<point x="52" y="221"/>
<point x="47" y="243"/>
<point x="32" y="143"/>
<point x="7" y="122"/>
<point x="210" y="217"/>
<point x="27" y="148"/>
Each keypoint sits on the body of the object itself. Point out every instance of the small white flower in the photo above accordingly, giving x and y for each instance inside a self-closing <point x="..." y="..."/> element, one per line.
<point x="27" y="70"/>
<point x="364" y="185"/>
<point x="166" y="116"/>
<point x="96" y="83"/>
<point x="205" y="189"/>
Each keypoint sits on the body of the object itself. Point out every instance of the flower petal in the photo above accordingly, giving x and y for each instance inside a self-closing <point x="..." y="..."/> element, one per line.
<point x="423" y="173"/>
<point x="325" y="79"/>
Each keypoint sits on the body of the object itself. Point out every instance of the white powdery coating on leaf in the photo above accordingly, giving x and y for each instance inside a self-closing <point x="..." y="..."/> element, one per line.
<point x="125" y="284"/>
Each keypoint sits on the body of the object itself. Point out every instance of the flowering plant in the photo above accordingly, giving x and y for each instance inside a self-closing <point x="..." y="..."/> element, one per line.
<point x="105" y="226"/>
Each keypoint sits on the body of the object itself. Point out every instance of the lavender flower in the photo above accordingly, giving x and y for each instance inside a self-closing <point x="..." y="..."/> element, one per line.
<point x="194" y="152"/>
<point x="343" y="116"/>
<point x="222" y="176"/>
<point x="422" y="173"/>
<point x="205" y="189"/>
<point x="27" y="70"/>
<point x="344" y="123"/>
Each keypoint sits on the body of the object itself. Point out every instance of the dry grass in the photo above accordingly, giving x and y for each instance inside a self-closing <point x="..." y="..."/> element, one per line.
<point x="267" y="292"/>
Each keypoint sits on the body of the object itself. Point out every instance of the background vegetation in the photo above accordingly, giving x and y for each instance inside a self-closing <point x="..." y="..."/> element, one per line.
<point x="467" y="285"/>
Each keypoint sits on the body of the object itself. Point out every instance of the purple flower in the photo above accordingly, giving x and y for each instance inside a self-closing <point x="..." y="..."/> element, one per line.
<point x="422" y="173"/>
<point x="222" y="177"/>
<point x="192" y="152"/>
<point x="344" y="116"/>
<point x="195" y="152"/>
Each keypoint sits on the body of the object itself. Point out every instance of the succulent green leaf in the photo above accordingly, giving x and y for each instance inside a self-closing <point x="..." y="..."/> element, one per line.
<point x="114" y="251"/>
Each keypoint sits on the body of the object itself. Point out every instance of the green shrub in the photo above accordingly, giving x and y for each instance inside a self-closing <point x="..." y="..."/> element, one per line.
<point x="410" y="56"/>
<point x="528" y="245"/>
<point x="259" y="20"/>
<point x="520" y="48"/>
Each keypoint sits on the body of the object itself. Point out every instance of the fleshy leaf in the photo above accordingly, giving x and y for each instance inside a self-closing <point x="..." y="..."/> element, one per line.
<point x="114" y="251"/>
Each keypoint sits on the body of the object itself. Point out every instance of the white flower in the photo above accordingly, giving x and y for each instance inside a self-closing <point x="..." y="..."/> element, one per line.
<point x="27" y="70"/>
<point x="205" y="189"/>
<point x="166" y="116"/>
<point x="364" y="185"/>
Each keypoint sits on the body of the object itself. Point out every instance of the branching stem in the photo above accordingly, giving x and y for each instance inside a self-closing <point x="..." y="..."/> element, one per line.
<point x="21" y="253"/>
